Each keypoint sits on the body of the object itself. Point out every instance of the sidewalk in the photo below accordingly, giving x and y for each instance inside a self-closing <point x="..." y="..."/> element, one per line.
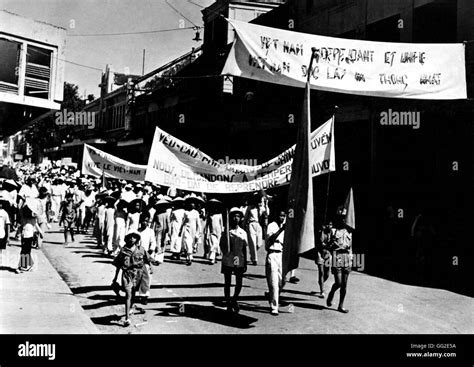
<point x="38" y="302"/>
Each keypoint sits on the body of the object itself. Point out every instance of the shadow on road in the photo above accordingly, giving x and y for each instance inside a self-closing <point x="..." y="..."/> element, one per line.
<point x="96" y="255"/>
<point x="7" y="268"/>
<point x="96" y="288"/>
<point x="312" y="306"/>
<point x="107" y="320"/>
<point x="110" y="300"/>
<point x="254" y="276"/>
<point x="84" y="247"/>
<point x="209" y="314"/>
<point x="54" y="242"/>
<point x="291" y="291"/>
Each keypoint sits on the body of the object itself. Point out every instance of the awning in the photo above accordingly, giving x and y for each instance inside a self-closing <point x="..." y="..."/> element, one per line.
<point x="129" y="142"/>
<point x="78" y="142"/>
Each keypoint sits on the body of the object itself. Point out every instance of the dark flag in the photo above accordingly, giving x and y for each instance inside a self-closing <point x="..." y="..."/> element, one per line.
<point x="299" y="229"/>
<point x="350" y="213"/>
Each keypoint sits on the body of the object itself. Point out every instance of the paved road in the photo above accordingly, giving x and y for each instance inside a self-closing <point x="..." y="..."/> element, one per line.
<point x="38" y="302"/>
<point x="188" y="300"/>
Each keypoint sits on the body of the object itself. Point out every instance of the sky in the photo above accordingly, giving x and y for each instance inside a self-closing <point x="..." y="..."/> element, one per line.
<point x="115" y="16"/>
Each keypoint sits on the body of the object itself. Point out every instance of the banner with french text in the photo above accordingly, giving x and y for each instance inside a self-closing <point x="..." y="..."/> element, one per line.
<point x="383" y="69"/>
<point x="95" y="162"/>
<point x="175" y="163"/>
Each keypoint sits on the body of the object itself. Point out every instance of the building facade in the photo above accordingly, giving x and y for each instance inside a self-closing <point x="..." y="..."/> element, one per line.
<point x="32" y="72"/>
<point x="397" y="172"/>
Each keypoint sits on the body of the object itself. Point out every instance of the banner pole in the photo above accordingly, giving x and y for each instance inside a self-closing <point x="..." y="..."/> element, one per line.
<point x="313" y="51"/>
<point x="227" y="230"/>
<point x="327" y="199"/>
<point x="329" y="176"/>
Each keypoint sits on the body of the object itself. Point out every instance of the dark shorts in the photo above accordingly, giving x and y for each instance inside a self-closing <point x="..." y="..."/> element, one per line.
<point x="129" y="279"/>
<point x="3" y="243"/>
<point x="68" y="223"/>
<point x="233" y="270"/>
<point x="26" y="260"/>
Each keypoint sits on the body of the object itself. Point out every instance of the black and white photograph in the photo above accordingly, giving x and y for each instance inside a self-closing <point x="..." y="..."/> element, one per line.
<point x="214" y="168"/>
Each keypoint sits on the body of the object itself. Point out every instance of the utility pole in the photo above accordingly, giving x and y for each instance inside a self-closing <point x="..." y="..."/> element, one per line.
<point x="143" y="65"/>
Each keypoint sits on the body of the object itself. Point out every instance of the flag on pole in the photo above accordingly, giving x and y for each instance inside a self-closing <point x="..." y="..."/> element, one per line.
<point x="350" y="213"/>
<point x="104" y="180"/>
<point x="299" y="228"/>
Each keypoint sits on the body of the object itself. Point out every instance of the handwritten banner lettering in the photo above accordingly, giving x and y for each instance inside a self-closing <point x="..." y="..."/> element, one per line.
<point x="394" y="70"/>
<point x="95" y="161"/>
<point x="175" y="163"/>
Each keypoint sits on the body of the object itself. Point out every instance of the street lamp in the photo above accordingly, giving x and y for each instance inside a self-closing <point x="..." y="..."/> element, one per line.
<point x="197" y="37"/>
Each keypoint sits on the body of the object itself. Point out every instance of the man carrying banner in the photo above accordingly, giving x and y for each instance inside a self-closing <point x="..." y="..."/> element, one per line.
<point x="273" y="264"/>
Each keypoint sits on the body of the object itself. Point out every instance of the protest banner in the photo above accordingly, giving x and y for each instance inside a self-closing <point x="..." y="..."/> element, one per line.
<point x="96" y="163"/>
<point x="383" y="69"/>
<point x="175" y="163"/>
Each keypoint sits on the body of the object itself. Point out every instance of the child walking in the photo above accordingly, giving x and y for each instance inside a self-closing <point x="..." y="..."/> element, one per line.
<point x="68" y="216"/>
<point x="131" y="260"/>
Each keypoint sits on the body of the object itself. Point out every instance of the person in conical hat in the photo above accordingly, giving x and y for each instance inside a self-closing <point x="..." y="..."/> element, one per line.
<point x="176" y="222"/>
<point x="191" y="228"/>
<point x="234" y="258"/>
<point x="161" y="223"/>
<point x="254" y="229"/>
<point x="214" y="227"/>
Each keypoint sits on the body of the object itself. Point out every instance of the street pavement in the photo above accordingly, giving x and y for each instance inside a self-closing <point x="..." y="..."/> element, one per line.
<point x="38" y="302"/>
<point x="188" y="300"/>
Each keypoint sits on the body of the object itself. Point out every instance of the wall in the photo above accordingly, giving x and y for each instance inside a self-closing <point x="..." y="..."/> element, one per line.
<point x="40" y="32"/>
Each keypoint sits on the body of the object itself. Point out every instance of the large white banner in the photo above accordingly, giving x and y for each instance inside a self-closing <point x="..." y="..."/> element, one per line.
<point x="95" y="162"/>
<point x="175" y="163"/>
<point x="395" y="70"/>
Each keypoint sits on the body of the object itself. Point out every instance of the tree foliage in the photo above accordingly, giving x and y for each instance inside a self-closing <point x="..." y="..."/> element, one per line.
<point x="46" y="133"/>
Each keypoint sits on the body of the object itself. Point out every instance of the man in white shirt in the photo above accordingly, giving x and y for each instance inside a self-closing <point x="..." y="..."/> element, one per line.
<point x="28" y="190"/>
<point x="273" y="263"/>
<point x="128" y="195"/>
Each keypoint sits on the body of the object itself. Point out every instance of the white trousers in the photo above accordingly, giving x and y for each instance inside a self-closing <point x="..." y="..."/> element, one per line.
<point x="119" y="233"/>
<point x="273" y="272"/>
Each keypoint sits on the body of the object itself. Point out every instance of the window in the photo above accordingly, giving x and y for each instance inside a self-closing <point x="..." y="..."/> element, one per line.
<point x="10" y="65"/>
<point x="38" y="72"/>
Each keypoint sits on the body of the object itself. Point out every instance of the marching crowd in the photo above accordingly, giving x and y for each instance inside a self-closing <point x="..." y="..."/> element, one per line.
<point x="137" y="223"/>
